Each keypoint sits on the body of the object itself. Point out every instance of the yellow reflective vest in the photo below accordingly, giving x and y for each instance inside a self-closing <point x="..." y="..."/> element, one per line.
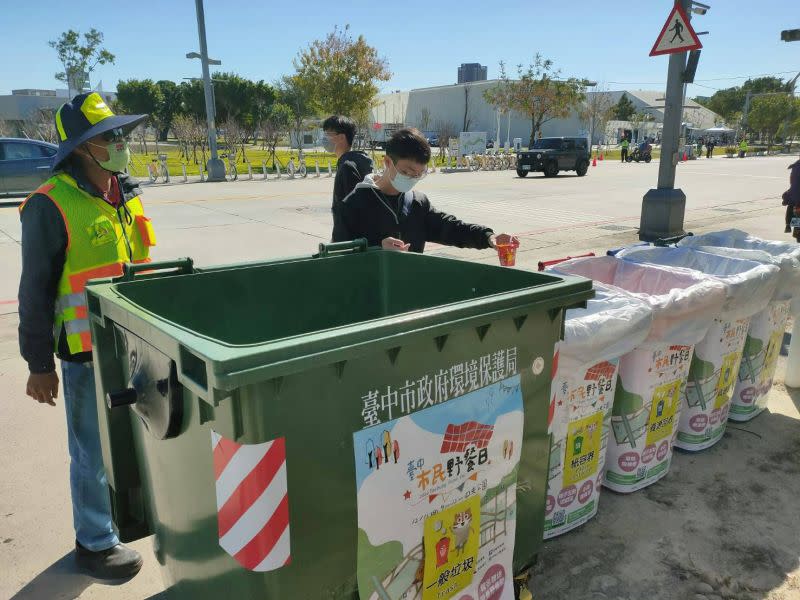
<point x="100" y="239"/>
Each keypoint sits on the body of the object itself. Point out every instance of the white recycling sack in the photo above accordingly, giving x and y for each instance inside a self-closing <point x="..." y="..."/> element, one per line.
<point x="646" y="405"/>
<point x="787" y="255"/>
<point x="750" y="286"/>
<point x="683" y="301"/>
<point x="765" y="335"/>
<point x="611" y="325"/>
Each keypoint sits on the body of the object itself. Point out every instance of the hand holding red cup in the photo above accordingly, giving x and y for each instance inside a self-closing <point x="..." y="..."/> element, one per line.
<point x="506" y="246"/>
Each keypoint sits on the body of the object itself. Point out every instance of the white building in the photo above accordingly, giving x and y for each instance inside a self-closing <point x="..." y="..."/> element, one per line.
<point x="466" y="109"/>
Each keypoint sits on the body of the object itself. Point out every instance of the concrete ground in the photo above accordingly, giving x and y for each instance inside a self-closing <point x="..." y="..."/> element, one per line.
<point x="723" y="524"/>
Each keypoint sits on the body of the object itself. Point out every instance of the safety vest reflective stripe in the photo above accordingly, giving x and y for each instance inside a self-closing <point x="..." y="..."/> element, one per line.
<point x="70" y="301"/>
<point x="78" y="281"/>
<point x="76" y="326"/>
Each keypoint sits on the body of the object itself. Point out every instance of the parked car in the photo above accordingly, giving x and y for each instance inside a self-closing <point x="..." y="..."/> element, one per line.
<point x="551" y="155"/>
<point x="432" y="137"/>
<point x="24" y="165"/>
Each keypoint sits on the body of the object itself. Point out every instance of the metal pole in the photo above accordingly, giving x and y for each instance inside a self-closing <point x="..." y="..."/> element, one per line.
<point x="792" y="378"/>
<point x="663" y="208"/>
<point x="216" y="168"/>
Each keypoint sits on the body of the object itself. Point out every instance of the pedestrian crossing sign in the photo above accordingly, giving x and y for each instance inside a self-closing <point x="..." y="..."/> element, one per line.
<point x="677" y="34"/>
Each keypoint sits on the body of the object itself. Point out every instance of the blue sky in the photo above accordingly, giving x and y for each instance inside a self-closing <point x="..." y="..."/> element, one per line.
<point x="424" y="41"/>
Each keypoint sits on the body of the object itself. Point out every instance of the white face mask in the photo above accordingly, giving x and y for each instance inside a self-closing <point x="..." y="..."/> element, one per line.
<point x="404" y="183"/>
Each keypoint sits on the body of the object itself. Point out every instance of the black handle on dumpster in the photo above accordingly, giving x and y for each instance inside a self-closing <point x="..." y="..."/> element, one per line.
<point x="124" y="397"/>
<point x="359" y="245"/>
<point x="179" y="266"/>
<point x="663" y="242"/>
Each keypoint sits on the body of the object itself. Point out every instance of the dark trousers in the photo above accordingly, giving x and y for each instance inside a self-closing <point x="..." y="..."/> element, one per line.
<point x="709" y="151"/>
<point x="624" y="154"/>
<point x="789" y="214"/>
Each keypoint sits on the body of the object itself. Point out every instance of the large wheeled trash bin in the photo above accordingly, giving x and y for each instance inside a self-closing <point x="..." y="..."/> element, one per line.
<point x="612" y="325"/>
<point x="647" y="400"/>
<point x="765" y="336"/>
<point x="349" y="425"/>
<point x="750" y="286"/>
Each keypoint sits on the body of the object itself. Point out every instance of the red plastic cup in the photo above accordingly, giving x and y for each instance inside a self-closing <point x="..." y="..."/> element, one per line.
<point x="507" y="254"/>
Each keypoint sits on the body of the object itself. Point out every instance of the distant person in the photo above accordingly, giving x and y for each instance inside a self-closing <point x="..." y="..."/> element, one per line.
<point x="710" y="143"/>
<point x="700" y="146"/>
<point x="791" y="197"/>
<point x="351" y="166"/>
<point x="625" y="143"/>
<point x="386" y="211"/>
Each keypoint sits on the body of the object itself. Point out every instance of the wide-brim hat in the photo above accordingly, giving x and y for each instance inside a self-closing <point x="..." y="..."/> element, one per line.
<point x="84" y="117"/>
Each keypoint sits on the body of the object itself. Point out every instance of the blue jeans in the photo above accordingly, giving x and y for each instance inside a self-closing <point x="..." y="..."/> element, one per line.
<point x="91" y="507"/>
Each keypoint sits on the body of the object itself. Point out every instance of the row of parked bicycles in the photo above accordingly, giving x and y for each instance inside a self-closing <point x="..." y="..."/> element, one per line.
<point x="492" y="160"/>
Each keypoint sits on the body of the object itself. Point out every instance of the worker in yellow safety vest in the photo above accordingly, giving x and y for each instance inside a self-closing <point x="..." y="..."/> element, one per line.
<point x="84" y="222"/>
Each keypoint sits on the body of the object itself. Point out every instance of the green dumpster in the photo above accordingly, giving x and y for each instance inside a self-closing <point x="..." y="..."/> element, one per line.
<point x="355" y="424"/>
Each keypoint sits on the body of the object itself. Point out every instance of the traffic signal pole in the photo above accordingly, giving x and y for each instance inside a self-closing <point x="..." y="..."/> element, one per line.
<point x="664" y="207"/>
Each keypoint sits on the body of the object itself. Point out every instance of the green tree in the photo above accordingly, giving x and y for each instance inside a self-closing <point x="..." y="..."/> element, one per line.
<point x="169" y="108"/>
<point x="233" y="96"/>
<point x="729" y="102"/>
<point x="769" y="113"/>
<point x="193" y="99"/>
<point x="624" y="109"/>
<point x="79" y="59"/>
<point x="139" y="96"/>
<point x="341" y="73"/>
<point x="540" y="93"/>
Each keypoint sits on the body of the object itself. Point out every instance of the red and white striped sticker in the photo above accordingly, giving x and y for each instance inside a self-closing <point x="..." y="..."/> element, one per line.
<point x="252" y="502"/>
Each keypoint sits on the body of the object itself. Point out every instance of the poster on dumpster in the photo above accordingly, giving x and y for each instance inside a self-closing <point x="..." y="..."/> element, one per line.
<point x="709" y="388"/>
<point x="645" y="415"/>
<point x="437" y="512"/>
<point x="581" y="409"/>
<point x="759" y="360"/>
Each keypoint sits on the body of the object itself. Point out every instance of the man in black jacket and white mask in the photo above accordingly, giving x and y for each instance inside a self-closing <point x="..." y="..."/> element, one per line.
<point x="386" y="211"/>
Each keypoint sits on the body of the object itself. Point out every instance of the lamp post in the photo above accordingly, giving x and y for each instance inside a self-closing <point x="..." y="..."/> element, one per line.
<point x="215" y="167"/>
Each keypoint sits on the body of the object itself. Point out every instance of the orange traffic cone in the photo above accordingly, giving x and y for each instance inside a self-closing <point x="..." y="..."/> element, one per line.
<point x="594" y="161"/>
<point x="601" y="156"/>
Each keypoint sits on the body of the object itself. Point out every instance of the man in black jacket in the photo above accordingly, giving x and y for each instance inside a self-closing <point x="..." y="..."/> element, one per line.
<point x="351" y="166"/>
<point x="386" y="211"/>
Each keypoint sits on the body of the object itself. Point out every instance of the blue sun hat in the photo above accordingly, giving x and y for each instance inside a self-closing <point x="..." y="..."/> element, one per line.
<point x="84" y="117"/>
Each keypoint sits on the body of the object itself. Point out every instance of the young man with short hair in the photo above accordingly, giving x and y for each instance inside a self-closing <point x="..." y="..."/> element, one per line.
<point x="386" y="211"/>
<point x="351" y="166"/>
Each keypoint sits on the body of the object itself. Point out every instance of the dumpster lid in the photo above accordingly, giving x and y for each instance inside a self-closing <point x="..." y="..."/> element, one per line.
<point x="750" y="284"/>
<point x="684" y="302"/>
